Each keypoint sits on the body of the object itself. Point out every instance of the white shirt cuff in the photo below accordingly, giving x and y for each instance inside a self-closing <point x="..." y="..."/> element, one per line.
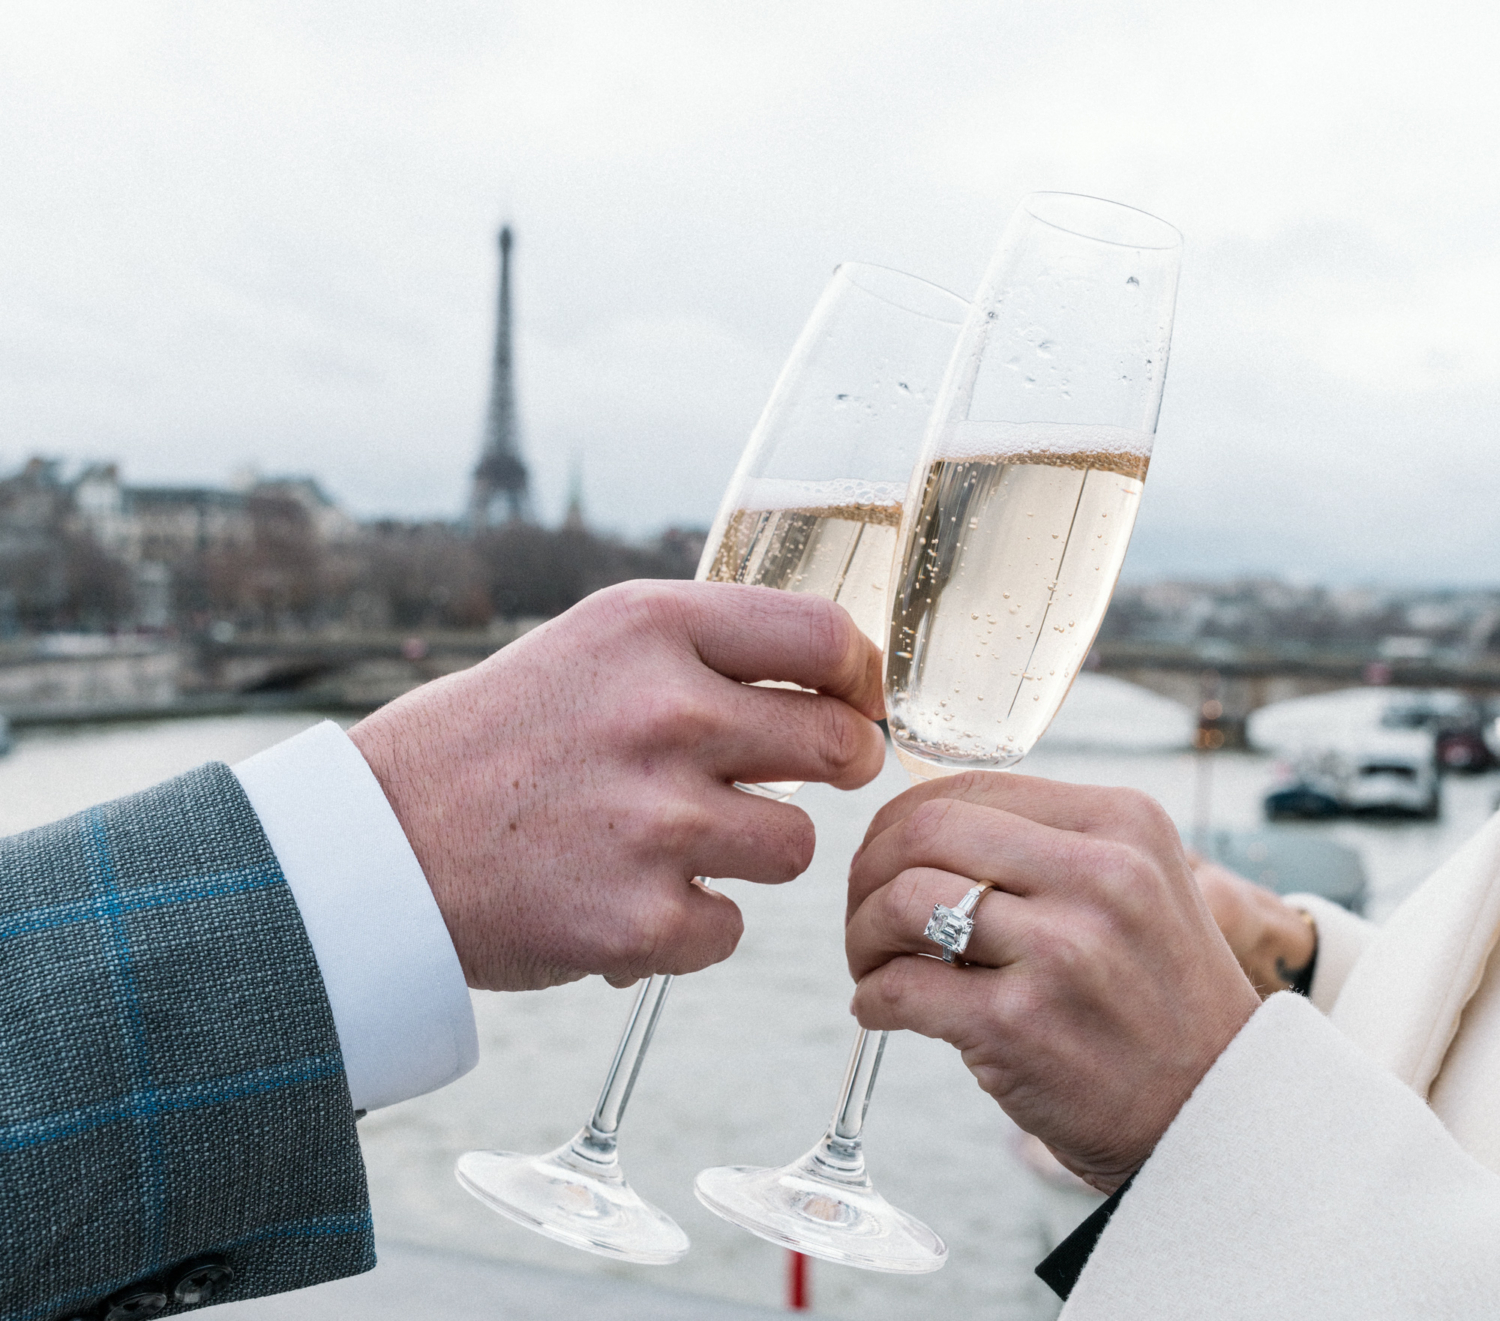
<point x="392" y="976"/>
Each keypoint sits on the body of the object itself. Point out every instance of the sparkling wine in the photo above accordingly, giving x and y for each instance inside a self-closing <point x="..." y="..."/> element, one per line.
<point x="829" y="539"/>
<point x="1008" y="565"/>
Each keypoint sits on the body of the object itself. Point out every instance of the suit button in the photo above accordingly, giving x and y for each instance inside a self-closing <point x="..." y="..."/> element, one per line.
<point x="200" y="1279"/>
<point x="135" y="1303"/>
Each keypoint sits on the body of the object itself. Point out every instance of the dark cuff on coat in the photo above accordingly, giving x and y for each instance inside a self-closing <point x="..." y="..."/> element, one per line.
<point x="1302" y="980"/>
<point x="1065" y="1263"/>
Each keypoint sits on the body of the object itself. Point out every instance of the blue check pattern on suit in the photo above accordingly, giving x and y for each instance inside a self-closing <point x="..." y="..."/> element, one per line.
<point x="170" y="1077"/>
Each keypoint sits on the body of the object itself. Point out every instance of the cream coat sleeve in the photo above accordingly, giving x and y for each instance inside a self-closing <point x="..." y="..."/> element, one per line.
<point x="1300" y="1179"/>
<point x="1305" y="1175"/>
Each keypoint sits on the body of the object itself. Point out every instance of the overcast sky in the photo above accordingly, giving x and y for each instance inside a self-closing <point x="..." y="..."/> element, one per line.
<point x="263" y="234"/>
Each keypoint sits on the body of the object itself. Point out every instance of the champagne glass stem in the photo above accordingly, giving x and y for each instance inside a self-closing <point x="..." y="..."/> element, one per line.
<point x="842" y="1148"/>
<point x="823" y="1204"/>
<point x="577" y="1194"/>
<point x="629" y="1055"/>
<point x="859" y="1083"/>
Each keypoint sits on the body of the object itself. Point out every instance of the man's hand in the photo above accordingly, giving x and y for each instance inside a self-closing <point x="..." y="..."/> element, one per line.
<point x="1271" y="940"/>
<point x="562" y="795"/>
<point x="1097" y="990"/>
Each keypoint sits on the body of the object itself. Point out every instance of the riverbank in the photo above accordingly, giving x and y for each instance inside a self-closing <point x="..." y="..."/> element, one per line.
<point x="83" y="678"/>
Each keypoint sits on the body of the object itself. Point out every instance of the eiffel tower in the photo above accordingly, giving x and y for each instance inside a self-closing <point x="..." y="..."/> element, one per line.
<point x="500" y="473"/>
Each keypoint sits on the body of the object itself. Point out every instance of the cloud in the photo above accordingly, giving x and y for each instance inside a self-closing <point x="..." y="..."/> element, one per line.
<point x="265" y="233"/>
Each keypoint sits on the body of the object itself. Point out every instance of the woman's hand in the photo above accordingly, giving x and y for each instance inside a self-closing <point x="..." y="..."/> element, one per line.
<point x="1096" y="989"/>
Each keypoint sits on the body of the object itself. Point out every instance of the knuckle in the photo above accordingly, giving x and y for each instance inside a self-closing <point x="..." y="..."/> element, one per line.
<point x="926" y="826"/>
<point x="1011" y="1006"/>
<point x="1140" y="814"/>
<point x="644" y="605"/>
<point x="653" y="594"/>
<point x="1138" y="874"/>
<point x="670" y="824"/>
<point x="1111" y="866"/>
<point x="888" y="816"/>
<point x="686" y="717"/>
<point x="1060" y="951"/>
<point x="1151" y="814"/>
<point x="1133" y="802"/>
<point x="990" y="1076"/>
<point x="902" y="901"/>
<point x="629" y="933"/>
<point x="650" y="929"/>
<point x="888" y="991"/>
<point x="839" y="740"/>
<point x="827" y="632"/>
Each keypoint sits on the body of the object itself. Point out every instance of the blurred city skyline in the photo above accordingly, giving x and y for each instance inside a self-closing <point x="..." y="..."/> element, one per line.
<point x="263" y="235"/>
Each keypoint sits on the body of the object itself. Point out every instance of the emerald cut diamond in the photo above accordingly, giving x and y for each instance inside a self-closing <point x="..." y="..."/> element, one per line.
<point x="950" y="928"/>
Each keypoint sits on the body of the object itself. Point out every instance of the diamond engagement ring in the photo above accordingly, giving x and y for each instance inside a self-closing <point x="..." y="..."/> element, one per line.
<point x="952" y="927"/>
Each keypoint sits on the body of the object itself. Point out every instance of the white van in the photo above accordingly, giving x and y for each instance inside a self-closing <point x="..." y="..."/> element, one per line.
<point x="1393" y="772"/>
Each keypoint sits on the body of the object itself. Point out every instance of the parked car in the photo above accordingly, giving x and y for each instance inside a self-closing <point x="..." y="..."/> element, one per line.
<point x="1457" y="723"/>
<point x="1382" y="771"/>
<point x="1464" y="750"/>
<point x="1304" y="793"/>
<point x="1394" y="772"/>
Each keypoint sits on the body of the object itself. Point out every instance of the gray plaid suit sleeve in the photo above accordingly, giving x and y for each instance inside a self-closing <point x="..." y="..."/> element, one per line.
<point x="170" y="1078"/>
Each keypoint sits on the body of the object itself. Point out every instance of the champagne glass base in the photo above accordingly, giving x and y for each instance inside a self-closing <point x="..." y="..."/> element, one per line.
<point x="578" y="1196"/>
<point x="809" y="1207"/>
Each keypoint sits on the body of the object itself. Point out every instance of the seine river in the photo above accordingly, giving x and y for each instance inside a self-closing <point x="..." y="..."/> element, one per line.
<point x="749" y="1054"/>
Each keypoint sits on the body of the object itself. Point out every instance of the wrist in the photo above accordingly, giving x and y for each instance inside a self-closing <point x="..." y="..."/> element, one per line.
<point x="1286" y="950"/>
<point x="396" y="759"/>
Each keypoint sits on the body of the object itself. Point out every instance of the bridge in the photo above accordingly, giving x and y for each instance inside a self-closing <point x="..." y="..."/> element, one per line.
<point x="1241" y="679"/>
<point x="1224" y="683"/>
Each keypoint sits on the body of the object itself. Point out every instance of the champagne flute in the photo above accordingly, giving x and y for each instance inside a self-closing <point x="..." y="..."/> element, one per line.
<point x="814" y="506"/>
<point x="1015" y="527"/>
